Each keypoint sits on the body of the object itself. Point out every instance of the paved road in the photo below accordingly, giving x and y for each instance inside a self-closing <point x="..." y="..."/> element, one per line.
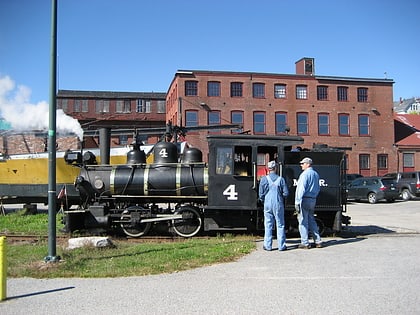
<point x="373" y="270"/>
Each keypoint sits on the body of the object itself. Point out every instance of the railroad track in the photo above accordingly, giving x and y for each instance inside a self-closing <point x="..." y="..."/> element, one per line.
<point x="32" y="239"/>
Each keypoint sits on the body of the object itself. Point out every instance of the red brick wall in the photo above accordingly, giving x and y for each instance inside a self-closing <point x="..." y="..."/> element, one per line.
<point x="380" y="97"/>
<point x="29" y="143"/>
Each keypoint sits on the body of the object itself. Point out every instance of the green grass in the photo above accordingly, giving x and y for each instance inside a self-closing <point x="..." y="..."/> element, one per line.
<point x="122" y="260"/>
<point x="125" y="259"/>
<point x="34" y="224"/>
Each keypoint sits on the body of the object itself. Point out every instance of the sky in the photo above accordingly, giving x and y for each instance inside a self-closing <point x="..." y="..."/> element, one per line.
<point x="132" y="45"/>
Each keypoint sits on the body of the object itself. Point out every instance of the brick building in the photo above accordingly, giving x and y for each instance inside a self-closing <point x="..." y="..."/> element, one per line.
<point x="354" y="113"/>
<point x="407" y="141"/>
<point x="33" y="142"/>
<point x="114" y="110"/>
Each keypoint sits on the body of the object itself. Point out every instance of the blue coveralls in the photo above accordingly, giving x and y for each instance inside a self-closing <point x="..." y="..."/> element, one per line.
<point x="272" y="191"/>
<point x="306" y="192"/>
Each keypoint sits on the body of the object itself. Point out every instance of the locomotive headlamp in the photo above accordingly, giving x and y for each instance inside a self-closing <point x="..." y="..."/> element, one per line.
<point x="99" y="184"/>
<point x="73" y="157"/>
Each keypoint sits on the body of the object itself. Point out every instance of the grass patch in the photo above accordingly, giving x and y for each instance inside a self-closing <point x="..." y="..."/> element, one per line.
<point x="34" y="224"/>
<point x="125" y="259"/>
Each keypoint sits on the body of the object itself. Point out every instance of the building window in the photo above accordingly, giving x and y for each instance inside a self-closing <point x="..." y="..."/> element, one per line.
<point x="213" y="88"/>
<point x="301" y="92"/>
<point x="85" y="106"/>
<point x="362" y="95"/>
<point x="123" y="139"/>
<point x="127" y="106"/>
<point x="258" y="90"/>
<point x="148" y="106"/>
<point x="214" y="119"/>
<point x="191" y="88"/>
<point x="191" y="118"/>
<point x="302" y="123"/>
<point x="102" y="106"/>
<point x="323" y="124"/>
<point x="408" y="160"/>
<point x="343" y="124"/>
<point x="382" y="161"/>
<point x="77" y="105"/>
<point x="161" y="106"/>
<point x="364" y="161"/>
<point x="363" y="125"/>
<point x="237" y="117"/>
<point x="119" y="106"/>
<point x="142" y="106"/>
<point x="236" y="89"/>
<point x="62" y="103"/>
<point x="281" y="123"/>
<point x="342" y="93"/>
<point x="259" y="123"/>
<point x="124" y="106"/>
<point x="322" y="93"/>
<point x="279" y="90"/>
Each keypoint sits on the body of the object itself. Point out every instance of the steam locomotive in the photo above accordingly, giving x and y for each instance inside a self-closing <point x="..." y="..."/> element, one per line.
<point x="188" y="195"/>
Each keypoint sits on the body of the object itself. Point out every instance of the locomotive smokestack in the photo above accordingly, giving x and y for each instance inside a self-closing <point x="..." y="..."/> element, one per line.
<point x="104" y="144"/>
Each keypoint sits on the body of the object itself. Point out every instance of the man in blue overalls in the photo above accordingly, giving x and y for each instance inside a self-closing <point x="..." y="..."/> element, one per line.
<point x="305" y="200"/>
<point x="271" y="192"/>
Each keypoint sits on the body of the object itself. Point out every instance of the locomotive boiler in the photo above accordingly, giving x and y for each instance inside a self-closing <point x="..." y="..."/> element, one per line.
<point x="188" y="195"/>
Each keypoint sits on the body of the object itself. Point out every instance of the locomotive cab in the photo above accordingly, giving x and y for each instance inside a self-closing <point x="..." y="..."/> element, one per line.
<point x="237" y="164"/>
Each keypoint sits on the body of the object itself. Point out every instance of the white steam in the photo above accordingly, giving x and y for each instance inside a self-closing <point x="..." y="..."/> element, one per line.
<point x="15" y="108"/>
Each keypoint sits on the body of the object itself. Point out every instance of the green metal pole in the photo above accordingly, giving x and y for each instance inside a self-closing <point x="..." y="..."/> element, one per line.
<point x="51" y="141"/>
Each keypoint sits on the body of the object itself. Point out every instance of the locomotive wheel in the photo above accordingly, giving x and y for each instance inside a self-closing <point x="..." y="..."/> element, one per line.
<point x="136" y="230"/>
<point x="189" y="225"/>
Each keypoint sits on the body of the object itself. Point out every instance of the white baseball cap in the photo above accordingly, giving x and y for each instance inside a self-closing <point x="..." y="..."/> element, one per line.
<point x="306" y="160"/>
<point x="271" y="165"/>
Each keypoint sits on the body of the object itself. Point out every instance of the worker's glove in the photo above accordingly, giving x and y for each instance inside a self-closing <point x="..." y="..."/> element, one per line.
<point x="297" y="209"/>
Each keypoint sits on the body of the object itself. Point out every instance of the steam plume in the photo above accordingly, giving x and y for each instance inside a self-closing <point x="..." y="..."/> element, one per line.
<point x="15" y="108"/>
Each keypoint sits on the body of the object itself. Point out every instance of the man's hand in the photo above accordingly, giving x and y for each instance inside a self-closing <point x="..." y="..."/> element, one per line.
<point x="297" y="209"/>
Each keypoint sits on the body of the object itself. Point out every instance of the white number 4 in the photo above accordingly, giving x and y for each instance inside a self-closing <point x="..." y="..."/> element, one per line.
<point x="231" y="193"/>
<point x="163" y="153"/>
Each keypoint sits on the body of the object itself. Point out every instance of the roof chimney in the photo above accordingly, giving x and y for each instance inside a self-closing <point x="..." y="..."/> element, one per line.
<point x="305" y="66"/>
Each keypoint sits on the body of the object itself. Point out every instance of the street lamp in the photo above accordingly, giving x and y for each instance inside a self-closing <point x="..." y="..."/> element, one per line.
<point x="205" y="107"/>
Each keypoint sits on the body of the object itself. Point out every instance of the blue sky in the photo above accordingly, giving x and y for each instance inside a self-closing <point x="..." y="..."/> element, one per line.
<point x="133" y="45"/>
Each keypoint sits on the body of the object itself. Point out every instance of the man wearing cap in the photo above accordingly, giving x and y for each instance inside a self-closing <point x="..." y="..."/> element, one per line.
<point x="305" y="199"/>
<point x="272" y="190"/>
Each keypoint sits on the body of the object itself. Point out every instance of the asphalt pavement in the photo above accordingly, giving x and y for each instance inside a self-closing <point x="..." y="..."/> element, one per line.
<point x="372" y="269"/>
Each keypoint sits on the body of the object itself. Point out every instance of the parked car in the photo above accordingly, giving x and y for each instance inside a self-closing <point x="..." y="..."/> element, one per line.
<point x="373" y="189"/>
<point x="352" y="177"/>
<point x="408" y="183"/>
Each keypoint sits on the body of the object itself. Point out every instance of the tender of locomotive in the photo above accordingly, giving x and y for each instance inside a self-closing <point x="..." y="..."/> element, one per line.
<point x="192" y="196"/>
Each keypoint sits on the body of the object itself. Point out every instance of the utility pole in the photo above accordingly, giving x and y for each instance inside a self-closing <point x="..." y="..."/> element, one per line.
<point x="52" y="186"/>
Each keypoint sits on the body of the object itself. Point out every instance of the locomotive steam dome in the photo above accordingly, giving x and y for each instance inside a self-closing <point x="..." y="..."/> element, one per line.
<point x="165" y="152"/>
<point x="136" y="156"/>
<point x="192" y="155"/>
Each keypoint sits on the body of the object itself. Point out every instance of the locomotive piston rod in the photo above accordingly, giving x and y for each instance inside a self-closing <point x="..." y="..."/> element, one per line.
<point x="158" y="218"/>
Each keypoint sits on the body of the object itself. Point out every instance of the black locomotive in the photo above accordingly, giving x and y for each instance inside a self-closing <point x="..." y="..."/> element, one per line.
<point x="190" y="196"/>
